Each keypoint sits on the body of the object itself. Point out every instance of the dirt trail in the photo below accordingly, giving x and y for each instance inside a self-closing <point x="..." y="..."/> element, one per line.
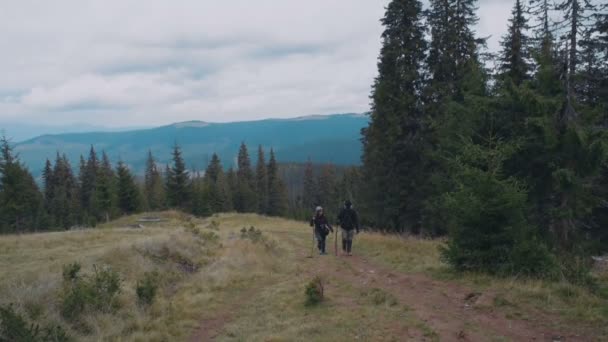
<point x="451" y="311"/>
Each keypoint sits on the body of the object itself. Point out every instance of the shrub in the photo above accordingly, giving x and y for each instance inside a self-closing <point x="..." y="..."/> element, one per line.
<point x="314" y="291"/>
<point x="97" y="292"/>
<point x="13" y="327"/>
<point x="255" y="235"/>
<point x="146" y="288"/>
<point x="70" y="271"/>
<point x="106" y="284"/>
<point x="379" y="297"/>
<point x="489" y="231"/>
<point x="214" y="225"/>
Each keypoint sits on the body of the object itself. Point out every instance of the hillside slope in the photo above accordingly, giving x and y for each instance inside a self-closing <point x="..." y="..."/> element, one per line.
<point x="333" y="138"/>
<point x="220" y="283"/>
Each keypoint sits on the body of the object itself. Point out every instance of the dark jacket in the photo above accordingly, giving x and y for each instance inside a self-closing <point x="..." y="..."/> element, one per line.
<point x="348" y="219"/>
<point x="321" y="224"/>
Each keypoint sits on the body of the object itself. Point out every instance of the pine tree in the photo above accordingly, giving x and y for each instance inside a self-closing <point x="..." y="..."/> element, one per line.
<point x="262" y="183"/>
<point x="232" y="186"/>
<point x="514" y="56"/>
<point x="48" y="180"/>
<point x="88" y="188"/>
<point x="62" y="206"/>
<point x="129" y="201"/>
<point x="153" y="185"/>
<point x="277" y="192"/>
<point x="178" y="194"/>
<point x="394" y="139"/>
<point x="216" y="188"/>
<point x="453" y="49"/>
<point x="224" y="192"/>
<point x="487" y="215"/>
<point x="202" y="200"/>
<point x="326" y="186"/>
<point x="575" y="20"/>
<point x="20" y="199"/>
<point x="309" y="192"/>
<point x="245" y="199"/>
<point x="105" y="189"/>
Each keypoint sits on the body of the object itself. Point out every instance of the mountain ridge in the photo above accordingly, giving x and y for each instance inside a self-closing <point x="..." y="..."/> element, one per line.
<point x="327" y="139"/>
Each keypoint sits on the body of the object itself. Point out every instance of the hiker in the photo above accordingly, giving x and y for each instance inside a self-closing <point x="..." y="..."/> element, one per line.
<point x="322" y="229"/>
<point x="349" y="222"/>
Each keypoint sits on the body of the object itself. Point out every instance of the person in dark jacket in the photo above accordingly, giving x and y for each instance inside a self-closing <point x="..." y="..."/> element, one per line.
<point x="322" y="229"/>
<point x="349" y="222"/>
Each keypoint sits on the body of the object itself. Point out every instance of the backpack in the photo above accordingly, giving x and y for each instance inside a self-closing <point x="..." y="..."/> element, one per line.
<point x="347" y="218"/>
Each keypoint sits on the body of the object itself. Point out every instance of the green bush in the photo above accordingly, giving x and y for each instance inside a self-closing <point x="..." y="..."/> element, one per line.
<point x="97" y="292"/>
<point x="314" y="291"/>
<point x="214" y="225"/>
<point x="14" y="328"/>
<point x="380" y="297"/>
<point x="70" y="271"/>
<point x="255" y="235"/>
<point x="146" y="288"/>
<point x="489" y="231"/>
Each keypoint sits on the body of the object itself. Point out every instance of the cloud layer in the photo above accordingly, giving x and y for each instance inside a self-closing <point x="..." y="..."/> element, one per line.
<point x="132" y="62"/>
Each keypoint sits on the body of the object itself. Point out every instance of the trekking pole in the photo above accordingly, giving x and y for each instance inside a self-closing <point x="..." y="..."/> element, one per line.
<point x="312" y="246"/>
<point x="336" y="241"/>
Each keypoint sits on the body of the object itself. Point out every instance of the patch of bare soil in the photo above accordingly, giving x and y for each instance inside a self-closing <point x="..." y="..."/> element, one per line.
<point x="452" y="311"/>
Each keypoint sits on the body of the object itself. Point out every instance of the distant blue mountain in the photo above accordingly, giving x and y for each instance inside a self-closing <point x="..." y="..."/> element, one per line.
<point x="23" y="131"/>
<point x="327" y="138"/>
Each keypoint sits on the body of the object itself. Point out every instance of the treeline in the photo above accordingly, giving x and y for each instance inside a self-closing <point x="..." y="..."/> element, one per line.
<point x="508" y="160"/>
<point x="101" y="192"/>
<point x="327" y="185"/>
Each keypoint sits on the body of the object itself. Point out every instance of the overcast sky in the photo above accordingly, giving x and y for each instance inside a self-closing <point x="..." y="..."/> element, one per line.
<point x="144" y="63"/>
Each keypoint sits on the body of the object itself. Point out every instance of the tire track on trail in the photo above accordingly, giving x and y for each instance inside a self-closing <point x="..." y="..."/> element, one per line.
<point x="448" y="309"/>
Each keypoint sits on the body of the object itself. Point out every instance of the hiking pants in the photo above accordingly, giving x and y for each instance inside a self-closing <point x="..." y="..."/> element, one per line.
<point x="347" y="239"/>
<point x="320" y="240"/>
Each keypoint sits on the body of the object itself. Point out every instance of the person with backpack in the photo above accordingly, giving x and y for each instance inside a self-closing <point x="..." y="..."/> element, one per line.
<point x="322" y="229"/>
<point x="349" y="222"/>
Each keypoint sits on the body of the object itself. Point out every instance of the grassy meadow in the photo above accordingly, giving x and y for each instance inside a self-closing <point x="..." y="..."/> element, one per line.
<point x="216" y="282"/>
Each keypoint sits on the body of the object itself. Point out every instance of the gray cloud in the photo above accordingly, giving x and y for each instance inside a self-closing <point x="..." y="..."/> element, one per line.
<point x="132" y="62"/>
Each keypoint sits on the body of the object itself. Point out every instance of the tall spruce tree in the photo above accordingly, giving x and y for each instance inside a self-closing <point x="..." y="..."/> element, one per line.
<point x="515" y="50"/>
<point x="232" y="186"/>
<point x="262" y="182"/>
<point x="62" y="208"/>
<point x="308" y="191"/>
<point x="201" y="203"/>
<point x="327" y="195"/>
<point x="153" y="185"/>
<point x="106" y="188"/>
<point x="277" y="192"/>
<point x="178" y="193"/>
<point x="88" y="187"/>
<point x="245" y="199"/>
<point x="394" y="139"/>
<point x="48" y="181"/>
<point x="129" y="200"/>
<point x="576" y="17"/>
<point x="20" y="199"/>
<point x="453" y="49"/>
<point x="218" y="195"/>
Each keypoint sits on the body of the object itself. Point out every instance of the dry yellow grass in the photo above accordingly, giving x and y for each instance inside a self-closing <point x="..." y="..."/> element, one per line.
<point x="254" y="291"/>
